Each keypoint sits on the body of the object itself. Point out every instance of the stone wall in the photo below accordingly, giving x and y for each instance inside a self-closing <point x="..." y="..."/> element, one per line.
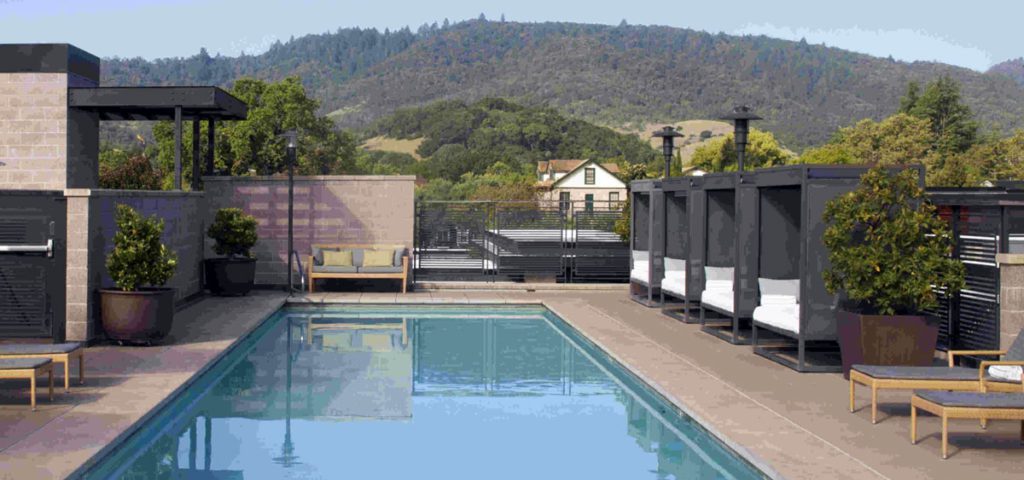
<point x="328" y="209"/>
<point x="91" y="229"/>
<point x="33" y="131"/>
<point x="1011" y="297"/>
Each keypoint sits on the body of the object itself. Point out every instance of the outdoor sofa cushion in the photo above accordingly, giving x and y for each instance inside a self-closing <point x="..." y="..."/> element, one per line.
<point x="38" y="348"/>
<point x="22" y="363"/>
<point x="770" y="286"/>
<point x="340" y="258"/>
<point x="380" y="269"/>
<point x="399" y="253"/>
<point x="318" y="254"/>
<point x="917" y="373"/>
<point x="720" y="299"/>
<point x="723" y="285"/>
<point x="335" y="269"/>
<point x="784" y="316"/>
<point x="972" y="399"/>
<point x="674" y="285"/>
<point x="718" y="273"/>
<point x="378" y="258"/>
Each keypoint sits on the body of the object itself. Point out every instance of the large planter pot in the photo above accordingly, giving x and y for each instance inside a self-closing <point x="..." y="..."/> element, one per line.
<point x="886" y="339"/>
<point x="230" y="276"/>
<point x="144" y="316"/>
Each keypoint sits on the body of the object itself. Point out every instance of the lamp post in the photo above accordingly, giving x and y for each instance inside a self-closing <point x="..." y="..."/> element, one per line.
<point x="741" y="117"/>
<point x="668" y="136"/>
<point x="292" y="138"/>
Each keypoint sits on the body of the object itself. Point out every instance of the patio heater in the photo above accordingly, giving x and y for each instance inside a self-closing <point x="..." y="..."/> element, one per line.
<point x="292" y="137"/>
<point x="741" y="117"/>
<point x="668" y="136"/>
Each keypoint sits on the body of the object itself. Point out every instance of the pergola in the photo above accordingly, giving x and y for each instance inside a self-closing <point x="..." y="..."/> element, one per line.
<point x="194" y="104"/>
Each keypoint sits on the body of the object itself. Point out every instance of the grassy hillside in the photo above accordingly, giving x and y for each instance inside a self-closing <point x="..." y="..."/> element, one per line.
<point x="620" y="76"/>
<point x="383" y="143"/>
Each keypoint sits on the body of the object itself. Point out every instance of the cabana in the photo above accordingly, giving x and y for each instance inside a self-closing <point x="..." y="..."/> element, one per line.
<point x="792" y="305"/>
<point x="646" y="241"/>
<point x="683" y="277"/>
<point x="728" y="293"/>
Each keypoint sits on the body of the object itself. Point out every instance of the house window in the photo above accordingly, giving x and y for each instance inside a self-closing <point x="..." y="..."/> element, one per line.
<point x="564" y="201"/>
<point x="613" y="197"/>
<point x="589" y="199"/>
<point x="588" y="176"/>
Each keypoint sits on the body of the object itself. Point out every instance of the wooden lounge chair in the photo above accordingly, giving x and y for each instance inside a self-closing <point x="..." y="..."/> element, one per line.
<point x="56" y="352"/>
<point x="955" y="378"/>
<point x="972" y="405"/>
<point x="29" y="368"/>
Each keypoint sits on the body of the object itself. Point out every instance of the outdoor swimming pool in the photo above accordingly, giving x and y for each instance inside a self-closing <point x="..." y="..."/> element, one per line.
<point x="419" y="392"/>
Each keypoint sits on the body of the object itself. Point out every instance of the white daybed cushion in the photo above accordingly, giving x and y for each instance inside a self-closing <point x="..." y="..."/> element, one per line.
<point x="780" y="287"/>
<point x="640" y="271"/>
<point x="676" y="286"/>
<point x="640" y="256"/>
<point x="785" y="317"/>
<point x="778" y="300"/>
<point x="674" y="266"/>
<point x="718" y="273"/>
<point x="1006" y="372"/>
<point x="718" y="298"/>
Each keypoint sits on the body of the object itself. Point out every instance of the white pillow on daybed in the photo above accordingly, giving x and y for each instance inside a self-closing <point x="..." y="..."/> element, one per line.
<point x="674" y="265"/>
<point x="770" y="286"/>
<point x="718" y="273"/>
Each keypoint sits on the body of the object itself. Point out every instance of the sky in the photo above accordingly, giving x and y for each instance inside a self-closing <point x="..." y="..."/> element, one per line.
<point x="974" y="34"/>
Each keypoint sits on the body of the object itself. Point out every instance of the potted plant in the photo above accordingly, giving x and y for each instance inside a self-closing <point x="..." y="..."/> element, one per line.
<point x="889" y="253"/>
<point x="140" y="309"/>
<point x="235" y="234"/>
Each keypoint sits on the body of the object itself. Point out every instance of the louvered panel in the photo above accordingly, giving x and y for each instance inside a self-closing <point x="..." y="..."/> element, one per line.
<point x="977" y="323"/>
<point x="22" y="295"/>
<point x="32" y="284"/>
<point x="13" y="231"/>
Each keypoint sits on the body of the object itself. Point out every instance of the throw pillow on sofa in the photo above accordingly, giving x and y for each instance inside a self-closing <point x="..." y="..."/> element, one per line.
<point x="378" y="258"/>
<point x="341" y="258"/>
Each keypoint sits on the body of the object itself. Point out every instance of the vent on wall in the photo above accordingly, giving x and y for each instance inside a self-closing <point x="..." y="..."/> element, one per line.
<point x="13" y="231"/>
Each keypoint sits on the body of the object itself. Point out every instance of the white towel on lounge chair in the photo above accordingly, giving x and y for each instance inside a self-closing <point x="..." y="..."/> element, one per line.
<point x="1006" y="372"/>
<point x="783" y="316"/>
<point x="718" y="298"/>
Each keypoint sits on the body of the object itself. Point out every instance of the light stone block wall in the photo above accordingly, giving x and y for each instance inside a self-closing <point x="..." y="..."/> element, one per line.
<point x="33" y="131"/>
<point x="91" y="229"/>
<point x="1011" y="297"/>
<point x="328" y="209"/>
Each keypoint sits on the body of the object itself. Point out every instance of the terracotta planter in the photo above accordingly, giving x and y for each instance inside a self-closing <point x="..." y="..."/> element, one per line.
<point x="886" y="339"/>
<point x="230" y="276"/>
<point x="144" y="316"/>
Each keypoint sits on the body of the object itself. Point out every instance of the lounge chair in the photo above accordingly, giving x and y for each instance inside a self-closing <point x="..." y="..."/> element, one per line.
<point x="57" y="352"/>
<point x="29" y="368"/>
<point x="952" y="377"/>
<point x="972" y="405"/>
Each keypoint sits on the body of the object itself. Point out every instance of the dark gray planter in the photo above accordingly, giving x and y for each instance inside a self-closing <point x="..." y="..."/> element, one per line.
<point x="144" y="316"/>
<point x="886" y="339"/>
<point x="230" y="276"/>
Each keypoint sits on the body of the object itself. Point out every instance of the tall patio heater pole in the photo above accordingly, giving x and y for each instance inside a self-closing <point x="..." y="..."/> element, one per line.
<point x="741" y="117"/>
<point x="292" y="144"/>
<point x="668" y="135"/>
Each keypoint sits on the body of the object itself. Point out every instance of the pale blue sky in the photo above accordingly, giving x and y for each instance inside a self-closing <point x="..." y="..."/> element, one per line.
<point x="972" y="34"/>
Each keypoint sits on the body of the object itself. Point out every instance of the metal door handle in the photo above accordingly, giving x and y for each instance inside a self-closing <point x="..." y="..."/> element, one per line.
<point x="47" y="249"/>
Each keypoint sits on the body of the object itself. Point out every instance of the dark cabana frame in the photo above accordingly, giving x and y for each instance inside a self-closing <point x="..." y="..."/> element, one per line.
<point x="684" y="227"/>
<point x="647" y="241"/>
<point x="729" y="202"/>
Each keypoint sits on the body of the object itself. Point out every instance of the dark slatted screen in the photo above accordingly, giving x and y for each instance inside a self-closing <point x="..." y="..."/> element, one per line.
<point x="23" y="303"/>
<point x="677" y="236"/>
<point x="943" y="310"/>
<point x="599" y="254"/>
<point x="450" y="240"/>
<point x="977" y="325"/>
<point x="529" y="240"/>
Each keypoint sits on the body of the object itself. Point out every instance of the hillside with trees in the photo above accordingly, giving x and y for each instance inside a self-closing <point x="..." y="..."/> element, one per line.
<point x="609" y="75"/>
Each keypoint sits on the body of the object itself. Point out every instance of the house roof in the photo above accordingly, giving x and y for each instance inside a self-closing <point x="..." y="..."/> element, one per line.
<point x="575" y="164"/>
<point x="566" y="165"/>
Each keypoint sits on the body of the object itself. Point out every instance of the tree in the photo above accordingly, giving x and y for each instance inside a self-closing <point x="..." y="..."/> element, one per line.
<point x="953" y="127"/>
<point x="719" y="155"/>
<point x="133" y="172"/>
<point x="909" y="100"/>
<point x="252" y="146"/>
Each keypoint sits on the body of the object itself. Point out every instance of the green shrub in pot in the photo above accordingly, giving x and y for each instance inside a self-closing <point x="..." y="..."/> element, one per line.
<point x="234" y="235"/>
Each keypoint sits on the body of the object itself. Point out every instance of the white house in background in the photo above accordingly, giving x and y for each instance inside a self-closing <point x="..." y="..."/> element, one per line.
<point x="586" y="182"/>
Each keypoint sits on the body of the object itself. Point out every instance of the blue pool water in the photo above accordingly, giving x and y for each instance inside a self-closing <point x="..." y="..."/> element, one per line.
<point x="419" y="392"/>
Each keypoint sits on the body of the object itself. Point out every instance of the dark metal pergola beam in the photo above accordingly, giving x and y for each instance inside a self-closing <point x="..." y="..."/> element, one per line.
<point x="158" y="103"/>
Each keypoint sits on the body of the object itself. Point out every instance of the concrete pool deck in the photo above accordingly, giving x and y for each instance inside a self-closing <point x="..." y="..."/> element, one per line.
<point x="795" y="424"/>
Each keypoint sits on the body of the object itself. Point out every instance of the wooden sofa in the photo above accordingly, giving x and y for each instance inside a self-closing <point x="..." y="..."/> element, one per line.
<point x="312" y="273"/>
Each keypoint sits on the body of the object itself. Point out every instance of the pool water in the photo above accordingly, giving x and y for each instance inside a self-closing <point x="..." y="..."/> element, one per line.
<point x="419" y="392"/>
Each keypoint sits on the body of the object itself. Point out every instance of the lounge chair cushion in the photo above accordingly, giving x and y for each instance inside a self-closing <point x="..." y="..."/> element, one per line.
<point x="718" y="273"/>
<point x="674" y="286"/>
<point x="379" y="269"/>
<point x="723" y="285"/>
<point x="38" y="348"/>
<point x="335" y="269"/>
<point x="640" y="271"/>
<point x="1008" y="373"/>
<point x="785" y="317"/>
<point x="917" y="373"/>
<point x="22" y="363"/>
<point x="973" y="399"/>
<point x="790" y="287"/>
<point x="719" y="299"/>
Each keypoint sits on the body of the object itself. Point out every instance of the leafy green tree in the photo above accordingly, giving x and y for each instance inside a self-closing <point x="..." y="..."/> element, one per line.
<point x="898" y="140"/>
<point x="909" y="100"/>
<point x="953" y="127"/>
<point x="719" y="155"/>
<point x="131" y="173"/>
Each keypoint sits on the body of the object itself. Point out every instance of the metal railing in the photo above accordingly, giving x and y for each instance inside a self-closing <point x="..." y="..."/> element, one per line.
<point x="302" y="273"/>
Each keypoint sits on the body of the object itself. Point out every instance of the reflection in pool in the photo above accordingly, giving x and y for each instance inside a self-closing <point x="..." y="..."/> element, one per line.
<point x="425" y="392"/>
